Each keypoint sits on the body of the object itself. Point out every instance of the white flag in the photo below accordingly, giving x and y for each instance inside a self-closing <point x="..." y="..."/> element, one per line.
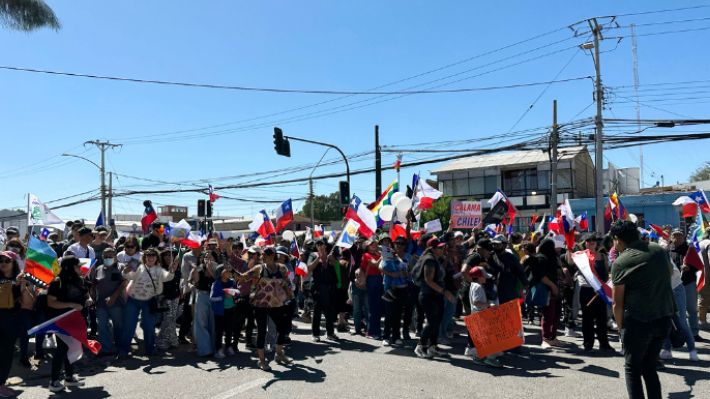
<point x="39" y="214"/>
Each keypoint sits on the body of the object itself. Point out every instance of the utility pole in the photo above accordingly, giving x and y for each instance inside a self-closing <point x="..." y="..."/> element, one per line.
<point x="110" y="199"/>
<point x="103" y="146"/>
<point x="378" y="163"/>
<point x="599" y="134"/>
<point x="311" y="198"/>
<point x="635" y="62"/>
<point x="554" y="140"/>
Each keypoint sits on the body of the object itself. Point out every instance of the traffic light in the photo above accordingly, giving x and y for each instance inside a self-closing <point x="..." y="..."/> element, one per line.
<point x="344" y="192"/>
<point x="281" y="144"/>
<point x="201" y="208"/>
<point x="208" y="209"/>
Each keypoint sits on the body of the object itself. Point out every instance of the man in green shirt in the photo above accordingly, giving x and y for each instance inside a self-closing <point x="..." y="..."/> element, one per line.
<point x="643" y="306"/>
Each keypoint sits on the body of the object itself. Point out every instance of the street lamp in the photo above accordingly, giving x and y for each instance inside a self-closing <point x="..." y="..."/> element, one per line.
<point x="103" y="186"/>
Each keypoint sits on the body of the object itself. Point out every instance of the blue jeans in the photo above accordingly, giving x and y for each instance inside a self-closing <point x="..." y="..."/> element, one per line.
<point x="681" y="320"/>
<point x="447" y="317"/>
<point x="359" y="307"/>
<point x="133" y="309"/>
<point x="204" y="324"/>
<point x="375" y="289"/>
<point x="110" y="334"/>
<point x="691" y="305"/>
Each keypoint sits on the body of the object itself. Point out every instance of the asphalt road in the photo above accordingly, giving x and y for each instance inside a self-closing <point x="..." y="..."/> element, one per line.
<point x="357" y="367"/>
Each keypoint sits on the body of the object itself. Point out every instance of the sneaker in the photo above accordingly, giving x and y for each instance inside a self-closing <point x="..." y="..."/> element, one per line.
<point x="421" y="352"/>
<point x="492" y="362"/>
<point x="469" y="352"/>
<point x="74" y="381"/>
<point x="315" y="339"/>
<point x="545" y="345"/>
<point x="332" y="337"/>
<point x="264" y="366"/>
<point x="281" y="358"/>
<point x="56" y="386"/>
<point x="666" y="354"/>
<point x="478" y="361"/>
<point x="7" y="392"/>
<point x="693" y="355"/>
<point x="433" y="351"/>
<point x="444" y="341"/>
<point x="571" y="333"/>
<point x="385" y="342"/>
<point x="231" y="351"/>
<point x="220" y="354"/>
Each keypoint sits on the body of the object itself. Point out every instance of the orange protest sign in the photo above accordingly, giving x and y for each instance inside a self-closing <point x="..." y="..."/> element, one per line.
<point x="496" y="329"/>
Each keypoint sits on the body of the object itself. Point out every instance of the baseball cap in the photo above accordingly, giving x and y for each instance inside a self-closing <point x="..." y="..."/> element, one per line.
<point x="478" y="271"/>
<point x="212" y="241"/>
<point x="254" y="249"/>
<point x="485" y="243"/>
<point x="282" y="251"/>
<point x="458" y="234"/>
<point x="435" y="243"/>
<point x="12" y="230"/>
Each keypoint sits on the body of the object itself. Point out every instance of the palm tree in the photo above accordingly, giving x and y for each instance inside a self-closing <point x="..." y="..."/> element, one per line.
<point x="27" y="15"/>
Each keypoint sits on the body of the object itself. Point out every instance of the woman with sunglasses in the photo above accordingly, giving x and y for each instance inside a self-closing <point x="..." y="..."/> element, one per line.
<point x="16" y="246"/>
<point x="68" y="291"/>
<point x="9" y="310"/>
<point x="130" y="255"/>
<point x="145" y="285"/>
<point x="271" y="292"/>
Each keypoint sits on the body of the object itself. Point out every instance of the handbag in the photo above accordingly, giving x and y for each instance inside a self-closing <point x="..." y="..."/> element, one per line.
<point x="539" y="295"/>
<point x="157" y="303"/>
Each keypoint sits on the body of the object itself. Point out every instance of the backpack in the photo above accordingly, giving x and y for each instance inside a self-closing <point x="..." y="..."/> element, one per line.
<point x="418" y="269"/>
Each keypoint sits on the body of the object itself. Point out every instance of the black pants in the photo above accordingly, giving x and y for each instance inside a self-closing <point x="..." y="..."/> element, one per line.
<point x="594" y="318"/>
<point x="281" y="319"/>
<point x="292" y="312"/>
<point x="244" y="316"/>
<point x="393" y="313"/>
<point x="410" y="303"/>
<point x="8" y="334"/>
<point x="324" y="304"/>
<point x="568" y="315"/>
<point x="642" y="343"/>
<point x="224" y="329"/>
<point x="433" y="306"/>
<point x="60" y="360"/>
<point x="186" y="318"/>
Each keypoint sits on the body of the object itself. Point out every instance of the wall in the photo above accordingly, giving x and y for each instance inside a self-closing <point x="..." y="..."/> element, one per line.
<point x="655" y="208"/>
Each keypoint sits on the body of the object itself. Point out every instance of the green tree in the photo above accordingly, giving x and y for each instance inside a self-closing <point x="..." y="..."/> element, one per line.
<point x="701" y="173"/>
<point x="27" y="15"/>
<point x="441" y="209"/>
<point x="325" y="207"/>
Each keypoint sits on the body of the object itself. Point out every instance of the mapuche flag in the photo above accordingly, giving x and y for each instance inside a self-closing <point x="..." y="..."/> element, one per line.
<point x="41" y="261"/>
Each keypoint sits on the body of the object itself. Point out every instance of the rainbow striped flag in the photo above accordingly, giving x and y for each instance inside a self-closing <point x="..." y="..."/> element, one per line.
<point x="41" y="260"/>
<point x="384" y="199"/>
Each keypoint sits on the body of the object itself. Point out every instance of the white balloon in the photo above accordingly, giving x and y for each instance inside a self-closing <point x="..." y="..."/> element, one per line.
<point x="288" y="235"/>
<point x="633" y="217"/>
<point x="403" y="206"/>
<point x="386" y="213"/>
<point x="395" y="197"/>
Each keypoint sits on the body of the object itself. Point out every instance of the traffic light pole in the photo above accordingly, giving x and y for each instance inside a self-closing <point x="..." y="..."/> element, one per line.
<point x="347" y="165"/>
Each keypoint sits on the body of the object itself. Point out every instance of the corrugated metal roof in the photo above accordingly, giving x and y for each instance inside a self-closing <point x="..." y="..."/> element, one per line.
<point x="505" y="159"/>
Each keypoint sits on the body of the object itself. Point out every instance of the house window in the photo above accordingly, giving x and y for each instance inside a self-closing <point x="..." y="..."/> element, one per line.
<point x="476" y="185"/>
<point x="460" y="187"/>
<point x="564" y="178"/>
<point x="490" y="184"/>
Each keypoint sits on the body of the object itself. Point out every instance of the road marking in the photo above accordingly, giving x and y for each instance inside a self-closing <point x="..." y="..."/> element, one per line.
<point x="230" y="394"/>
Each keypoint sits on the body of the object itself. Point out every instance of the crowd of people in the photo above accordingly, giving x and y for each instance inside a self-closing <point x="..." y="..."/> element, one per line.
<point x="213" y="296"/>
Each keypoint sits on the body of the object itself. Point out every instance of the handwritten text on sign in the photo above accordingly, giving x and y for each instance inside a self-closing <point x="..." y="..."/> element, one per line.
<point x="496" y="329"/>
<point x="465" y="214"/>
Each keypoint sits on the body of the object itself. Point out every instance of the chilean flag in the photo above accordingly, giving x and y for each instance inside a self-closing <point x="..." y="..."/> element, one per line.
<point x="700" y="199"/>
<point x="568" y="221"/>
<point x="581" y="259"/>
<point x="295" y="252"/>
<point x="318" y="231"/>
<point x="358" y="212"/>
<point x="693" y="260"/>
<point x="689" y="206"/>
<point x="583" y="222"/>
<point x="213" y="196"/>
<point x="659" y="230"/>
<point x="424" y="194"/>
<point x="149" y="216"/>
<point x="284" y="215"/>
<point x="70" y="327"/>
<point x="262" y="225"/>
<point x="301" y="269"/>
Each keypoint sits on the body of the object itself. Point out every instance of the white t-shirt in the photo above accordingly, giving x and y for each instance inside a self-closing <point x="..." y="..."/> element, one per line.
<point x="81" y="252"/>
<point x="142" y="287"/>
<point x="477" y="294"/>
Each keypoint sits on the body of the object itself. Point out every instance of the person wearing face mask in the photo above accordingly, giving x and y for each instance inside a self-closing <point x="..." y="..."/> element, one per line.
<point x="108" y="285"/>
<point x="16" y="246"/>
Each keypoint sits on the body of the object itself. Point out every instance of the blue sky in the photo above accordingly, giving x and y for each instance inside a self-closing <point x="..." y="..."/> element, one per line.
<point x="313" y="45"/>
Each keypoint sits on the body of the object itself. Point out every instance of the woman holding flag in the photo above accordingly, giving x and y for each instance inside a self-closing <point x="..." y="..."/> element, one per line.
<point x="68" y="291"/>
<point x="9" y="310"/>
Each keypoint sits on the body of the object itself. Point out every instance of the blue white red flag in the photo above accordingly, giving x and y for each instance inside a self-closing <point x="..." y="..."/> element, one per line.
<point x="262" y="225"/>
<point x="358" y="212"/>
<point x="284" y="215"/>
<point x="70" y="327"/>
<point x="295" y="252"/>
<point x="583" y="222"/>
<point x="45" y="233"/>
<point x="603" y="289"/>
<point x="149" y="216"/>
<point x="700" y="199"/>
<point x="213" y="196"/>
